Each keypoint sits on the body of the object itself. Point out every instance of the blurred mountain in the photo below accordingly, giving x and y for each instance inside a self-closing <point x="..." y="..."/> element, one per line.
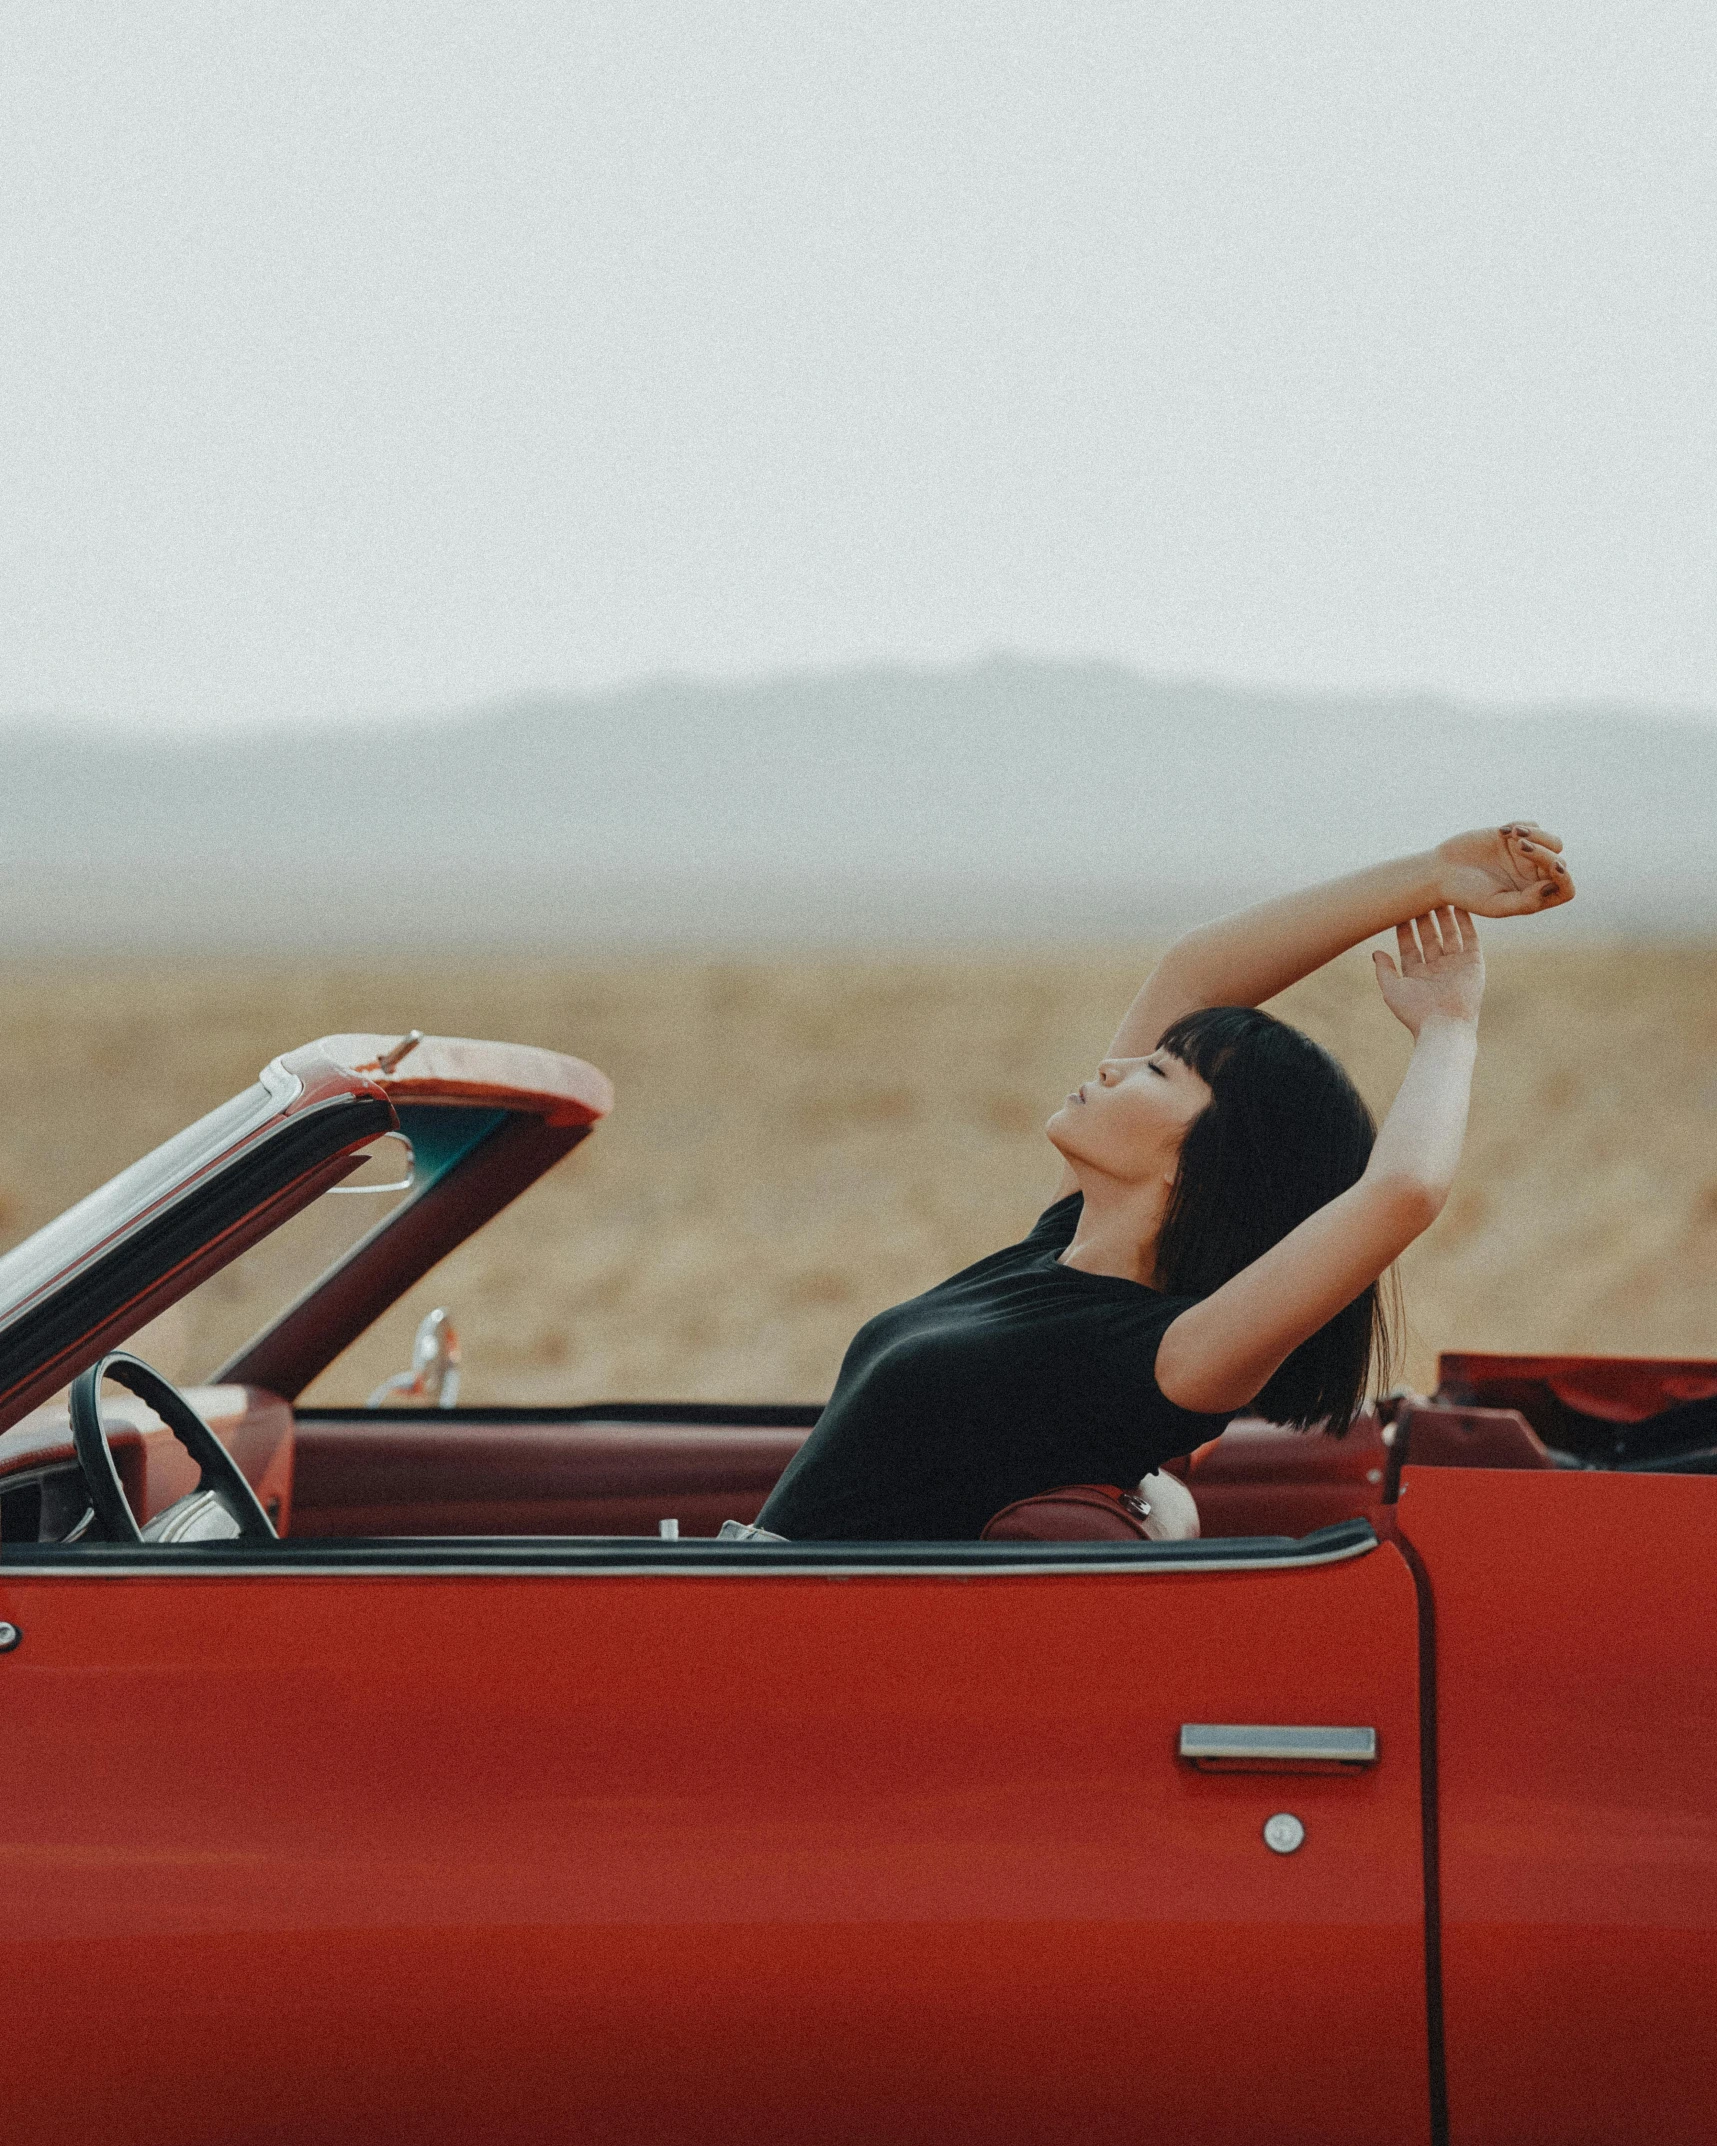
<point x="1009" y="800"/>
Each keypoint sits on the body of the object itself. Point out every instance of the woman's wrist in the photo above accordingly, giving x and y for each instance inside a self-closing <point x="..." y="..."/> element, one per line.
<point x="1444" y="1031"/>
<point x="1408" y="887"/>
<point x="1438" y="869"/>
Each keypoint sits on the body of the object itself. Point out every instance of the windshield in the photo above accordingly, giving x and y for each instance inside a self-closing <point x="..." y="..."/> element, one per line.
<point x="77" y="1235"/>
<point x="211" y="1323"/>
<point x="214" y="1321"/>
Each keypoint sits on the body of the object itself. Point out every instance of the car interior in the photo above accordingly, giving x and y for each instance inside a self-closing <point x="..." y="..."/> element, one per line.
<point x="100" y="1462"/>
<point x="679" y="1470"/>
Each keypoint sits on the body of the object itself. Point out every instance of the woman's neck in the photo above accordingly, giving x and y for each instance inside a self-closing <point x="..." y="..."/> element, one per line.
<point x="1118" y="1229"/>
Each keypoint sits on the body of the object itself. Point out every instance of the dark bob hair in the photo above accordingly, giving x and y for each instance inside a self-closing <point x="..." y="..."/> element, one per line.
<point x="1285" y="1132"/>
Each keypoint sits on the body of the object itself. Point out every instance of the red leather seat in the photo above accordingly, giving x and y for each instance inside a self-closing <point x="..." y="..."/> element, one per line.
<point x="1428" y="1435"/>
<point x="1158" y="1509"/>
<point x="1259" y="1478"/>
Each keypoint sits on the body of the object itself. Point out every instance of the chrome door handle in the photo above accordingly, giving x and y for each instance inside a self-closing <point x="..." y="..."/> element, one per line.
<point x="1230" y="1747"/>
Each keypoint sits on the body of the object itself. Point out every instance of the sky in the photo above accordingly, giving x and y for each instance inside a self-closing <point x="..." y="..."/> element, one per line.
<point x="365" y="359"/>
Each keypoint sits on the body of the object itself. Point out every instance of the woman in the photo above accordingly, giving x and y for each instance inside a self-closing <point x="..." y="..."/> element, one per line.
<point x="1226" y="1211"/>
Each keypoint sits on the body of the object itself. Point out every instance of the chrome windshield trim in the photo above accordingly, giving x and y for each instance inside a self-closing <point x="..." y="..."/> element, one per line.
<point x="52" y="1257"/>
<point x="284" y="1086"/>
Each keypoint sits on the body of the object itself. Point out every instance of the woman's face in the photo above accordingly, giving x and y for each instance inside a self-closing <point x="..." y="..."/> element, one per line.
<point x="1128" y="1122"/>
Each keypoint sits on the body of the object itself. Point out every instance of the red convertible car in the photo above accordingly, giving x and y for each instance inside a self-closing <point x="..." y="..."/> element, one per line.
<point x="397" y="1772"/>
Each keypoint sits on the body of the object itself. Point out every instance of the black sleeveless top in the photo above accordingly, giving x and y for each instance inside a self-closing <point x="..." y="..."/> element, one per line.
<point x="1013" y="1377"/>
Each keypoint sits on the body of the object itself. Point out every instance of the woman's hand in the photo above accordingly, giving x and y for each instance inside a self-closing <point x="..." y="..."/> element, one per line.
<point x="1441" y="972"/>
<point x="1511" y="871"/>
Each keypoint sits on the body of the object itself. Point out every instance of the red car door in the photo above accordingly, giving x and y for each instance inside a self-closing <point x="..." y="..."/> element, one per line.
<point x="1576" y="1643"/>
<point x="525" y="1841"/>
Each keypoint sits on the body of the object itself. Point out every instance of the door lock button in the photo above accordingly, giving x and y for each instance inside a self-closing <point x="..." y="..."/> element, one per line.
<point x="1283" y="1833"/>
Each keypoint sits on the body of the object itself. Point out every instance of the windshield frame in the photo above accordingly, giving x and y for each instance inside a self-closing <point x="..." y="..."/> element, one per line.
<point x="53" y="1255"/>
<point x="148" y="1236"/>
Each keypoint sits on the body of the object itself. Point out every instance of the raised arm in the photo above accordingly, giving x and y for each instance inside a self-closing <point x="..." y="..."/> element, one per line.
<point x="1246" y="958"/>
<point x="1219" y="1352"/>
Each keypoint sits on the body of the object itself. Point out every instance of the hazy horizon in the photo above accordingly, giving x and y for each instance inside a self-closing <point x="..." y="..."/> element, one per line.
<point x="1007" y="802"/>
<point x="213" y="726"/>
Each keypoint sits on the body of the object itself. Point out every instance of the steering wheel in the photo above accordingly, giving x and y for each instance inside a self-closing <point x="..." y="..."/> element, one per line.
<point x="220" y="1484"/>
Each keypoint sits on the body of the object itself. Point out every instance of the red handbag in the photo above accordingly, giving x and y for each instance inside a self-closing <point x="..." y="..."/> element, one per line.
<point x="1080" y="1512"/>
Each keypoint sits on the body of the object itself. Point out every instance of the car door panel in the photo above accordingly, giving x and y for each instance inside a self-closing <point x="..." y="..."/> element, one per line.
<point x="471" y="1472"/>
<point x="1576" y="1643"/>
<point x="659" y="1854"/>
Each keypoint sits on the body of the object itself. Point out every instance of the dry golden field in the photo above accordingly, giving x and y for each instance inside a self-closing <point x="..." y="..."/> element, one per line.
<point x="799" y="1142"/>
